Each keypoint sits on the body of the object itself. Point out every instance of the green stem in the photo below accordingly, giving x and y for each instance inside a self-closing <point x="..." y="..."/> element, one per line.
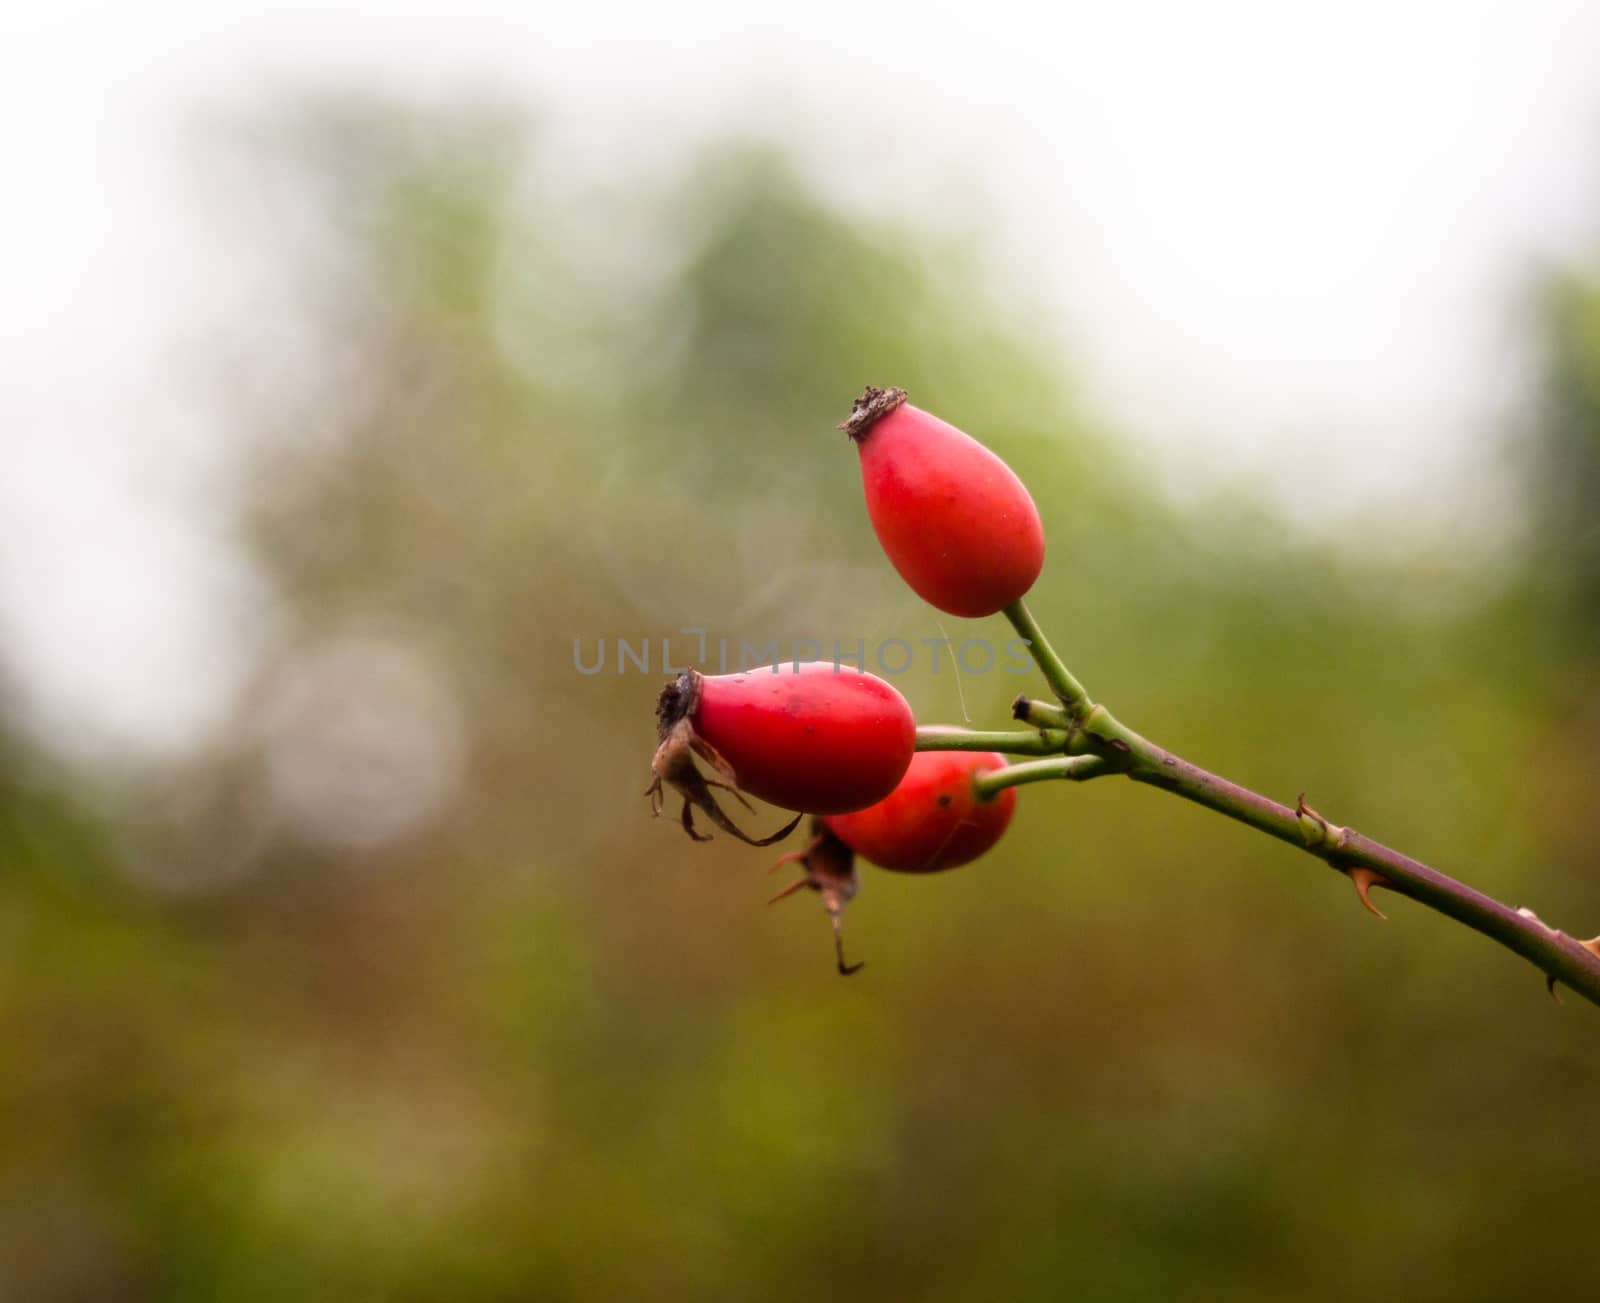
<point x="1012" y="742"/>
<point x="1041" y="714"/>
<point x="1054" y="669"/>
<point x="1076" y="769"/>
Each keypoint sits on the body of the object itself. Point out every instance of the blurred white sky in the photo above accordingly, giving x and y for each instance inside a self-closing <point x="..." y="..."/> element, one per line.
<point x="1286" y="242"/>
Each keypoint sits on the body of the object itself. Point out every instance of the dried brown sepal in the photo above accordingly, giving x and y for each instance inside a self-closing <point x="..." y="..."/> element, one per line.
<point x="678" y="701"/>
<point x="830" y="870"/>
<point x="673" y="766"/>
<point x="873" y="405"/>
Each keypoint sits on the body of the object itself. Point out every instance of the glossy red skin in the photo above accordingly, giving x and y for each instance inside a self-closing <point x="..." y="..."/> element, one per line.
<point x="954" y="519"/>
<point x="817" y="740"/>
<point x="931" y="820"/>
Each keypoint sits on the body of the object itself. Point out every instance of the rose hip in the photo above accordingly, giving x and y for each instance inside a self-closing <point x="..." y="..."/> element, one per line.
<point x="932" y="820"/>
<point x="954" y="519"/>
<point x="816" y="737"/>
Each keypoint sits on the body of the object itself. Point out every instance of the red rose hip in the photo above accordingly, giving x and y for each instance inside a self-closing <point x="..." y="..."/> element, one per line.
<point x="932" y="820"/>
<point x="815" y="737"/>
<point x="954" y="519"/>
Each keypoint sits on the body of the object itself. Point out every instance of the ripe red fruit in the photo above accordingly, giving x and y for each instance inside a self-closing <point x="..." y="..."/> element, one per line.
<point x="933" y="819"/>
<point x="954" y="519"/>
<point x="815" y="737"/>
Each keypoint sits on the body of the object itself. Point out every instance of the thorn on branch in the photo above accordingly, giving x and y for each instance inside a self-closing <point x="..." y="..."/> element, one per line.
<point x="1592" y="945"/>
<point x="1364" y="879"/>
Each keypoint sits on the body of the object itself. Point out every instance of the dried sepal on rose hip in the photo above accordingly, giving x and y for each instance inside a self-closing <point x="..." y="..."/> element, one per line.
<point x="933" y="820"/>
<point x="954" y="519"/>
<point x="830" y="870"/>
<point x="673" y="766"/>
<point x="816" y="737"/>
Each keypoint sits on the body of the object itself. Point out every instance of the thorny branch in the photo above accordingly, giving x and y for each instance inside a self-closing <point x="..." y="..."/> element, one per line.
<point x="1090" y="742"/>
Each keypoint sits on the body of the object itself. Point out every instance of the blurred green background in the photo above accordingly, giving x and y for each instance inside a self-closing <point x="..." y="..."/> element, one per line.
<point x="394" y="991"/>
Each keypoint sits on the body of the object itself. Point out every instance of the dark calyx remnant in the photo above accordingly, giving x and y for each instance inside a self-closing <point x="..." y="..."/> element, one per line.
<point x="873" y="405"/>
<point x="830" y="869"/>
<point x="673" y="766"/>
<point x="677" y="701"/>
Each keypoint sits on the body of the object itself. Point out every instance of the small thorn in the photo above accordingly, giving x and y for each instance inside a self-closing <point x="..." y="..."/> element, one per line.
<point x="1550" y="985"/>
<point x="1365" y="879"/>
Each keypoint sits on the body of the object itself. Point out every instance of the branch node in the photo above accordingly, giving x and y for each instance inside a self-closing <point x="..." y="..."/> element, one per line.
<point x="1315" y="828"/>
<point x="1534" y="918"/>
<point x="1592" y="946"/>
